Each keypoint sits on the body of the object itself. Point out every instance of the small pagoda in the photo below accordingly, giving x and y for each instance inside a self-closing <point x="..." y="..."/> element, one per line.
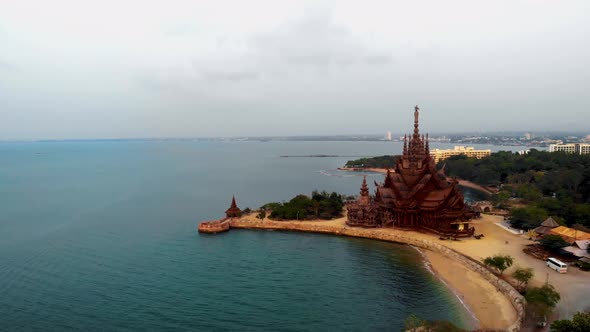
<point x="233" y="211"/>
<point x="221" y="225"/>
<point x="415" y="195"/>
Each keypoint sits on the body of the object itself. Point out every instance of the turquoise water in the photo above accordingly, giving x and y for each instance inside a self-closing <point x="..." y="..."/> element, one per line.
<point x="101" y="236"/>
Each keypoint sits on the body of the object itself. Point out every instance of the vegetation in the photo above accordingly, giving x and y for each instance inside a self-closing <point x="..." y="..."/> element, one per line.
<point x="261" y="215"/>
<point x="542" y="300"/>
<point x="247" y="210"/>
<point x="579" y="323"/>
<point x="552" y="183"/>
<point x="553" y="242"/>
<point x="583" y="265"/>
<point x="415" y="324"/>
<point x="523" y="275"/>
<point x="375" y="162"/>
<point x="321" y="205"/>
<point x="528" y="217"/>
<point x="499" y="262"/>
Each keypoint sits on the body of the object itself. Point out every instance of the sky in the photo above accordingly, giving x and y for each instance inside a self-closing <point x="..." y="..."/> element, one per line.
<point x="133" y="69"/>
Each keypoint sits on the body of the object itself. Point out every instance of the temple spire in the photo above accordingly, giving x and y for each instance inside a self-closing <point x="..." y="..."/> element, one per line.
<point x="405" y="144"/>
<point x="364" y="188"/>
<point x="364" y="199"/>
<point x="388" y="182"/>
<point x="427" y="145"/>
<point x="416" y="122"/>
<point x="422" y="146"/>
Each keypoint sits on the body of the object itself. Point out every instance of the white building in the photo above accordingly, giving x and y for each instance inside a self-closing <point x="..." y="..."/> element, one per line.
<point x="577" y="148"/>
<point x="388" y="136"/>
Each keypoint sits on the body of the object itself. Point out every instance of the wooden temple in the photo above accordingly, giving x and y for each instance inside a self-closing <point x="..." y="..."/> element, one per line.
<point x="415" y="195"/>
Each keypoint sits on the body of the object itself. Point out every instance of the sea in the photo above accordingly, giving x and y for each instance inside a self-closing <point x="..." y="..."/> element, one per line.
<point x="102" y="236"/>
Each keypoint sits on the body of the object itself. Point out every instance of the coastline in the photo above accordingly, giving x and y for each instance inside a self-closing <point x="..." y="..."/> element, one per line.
<point x="503" y="309"/>
<point x="488" y="306"/>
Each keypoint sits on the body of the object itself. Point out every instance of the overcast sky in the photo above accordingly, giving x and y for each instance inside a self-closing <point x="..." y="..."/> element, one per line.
<point x="105" y="69"/>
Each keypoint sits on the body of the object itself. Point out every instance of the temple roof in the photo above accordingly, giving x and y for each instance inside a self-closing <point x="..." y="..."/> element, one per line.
<point x="550" y="222"/>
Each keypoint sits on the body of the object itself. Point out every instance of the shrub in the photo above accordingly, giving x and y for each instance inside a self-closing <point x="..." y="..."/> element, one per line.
<point x="542" y="300"/>
<point x="523" y="275"/>
<point x="499" y="262"/>
<point x="553" y="242"/>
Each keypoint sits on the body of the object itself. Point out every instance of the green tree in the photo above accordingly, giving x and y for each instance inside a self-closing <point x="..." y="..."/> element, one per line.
<point x="413" y="323"/>
<point x="501" y="197"/>
<point x="523" y="275"/>
<point x="528" y="217"/>
<point x="529" y="193"/>
<point x="301" y="207"/>
<point x="553" y="242"/>
<point x="499" y="262"/>
<point x="579" y="323"/>
<point x="543" y="299"/>
<point x="261" y="215"/>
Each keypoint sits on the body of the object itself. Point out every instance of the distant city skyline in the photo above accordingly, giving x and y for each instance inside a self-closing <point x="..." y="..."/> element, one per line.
<point x="136" y="69"/>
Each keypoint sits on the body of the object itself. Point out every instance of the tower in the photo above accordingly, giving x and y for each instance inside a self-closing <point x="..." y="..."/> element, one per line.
<point x="233" y="211"/>
<point x="364" y="199"/>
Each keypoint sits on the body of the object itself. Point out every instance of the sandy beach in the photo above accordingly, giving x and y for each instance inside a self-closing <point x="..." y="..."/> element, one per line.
<point x="490" y="307"/>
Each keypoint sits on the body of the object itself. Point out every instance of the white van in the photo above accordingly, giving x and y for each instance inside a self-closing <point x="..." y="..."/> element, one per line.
<point x="557" y="265"/>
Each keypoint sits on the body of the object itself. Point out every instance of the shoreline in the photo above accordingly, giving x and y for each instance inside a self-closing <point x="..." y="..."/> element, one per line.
<point x="475" y="322"/>
<point x="498" y="307"/>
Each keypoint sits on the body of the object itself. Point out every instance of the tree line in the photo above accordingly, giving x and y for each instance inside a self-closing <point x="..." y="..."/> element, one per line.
<point x="374" y="162"/>
<point x="551" y="183"/>
<point x="321" y="205"/>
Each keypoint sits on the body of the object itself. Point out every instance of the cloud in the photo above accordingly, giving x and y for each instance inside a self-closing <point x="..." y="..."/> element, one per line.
<point x="229" y="76"/>
<point x="7" y="66"/>
<point x="315" y="39"/>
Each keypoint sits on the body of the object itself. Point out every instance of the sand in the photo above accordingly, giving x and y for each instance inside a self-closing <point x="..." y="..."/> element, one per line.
<point x="491" y="308"/>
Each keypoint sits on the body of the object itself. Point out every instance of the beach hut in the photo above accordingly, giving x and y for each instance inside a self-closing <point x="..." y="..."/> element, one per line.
<point x="570" y="235"/>
<point x="546" y="226"/>
<point x="579" y="249"/>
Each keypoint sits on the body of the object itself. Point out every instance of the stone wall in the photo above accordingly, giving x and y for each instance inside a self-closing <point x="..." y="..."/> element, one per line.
<point x="513" y="296"/>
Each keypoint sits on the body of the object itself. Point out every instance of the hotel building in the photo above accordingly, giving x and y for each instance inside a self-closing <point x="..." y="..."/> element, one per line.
<point x="576" y="148"/>
<point x="469" y="151"/>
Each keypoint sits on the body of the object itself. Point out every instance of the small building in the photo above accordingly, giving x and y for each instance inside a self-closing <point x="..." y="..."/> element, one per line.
<point x="546" y="226"/>
<point x="579" y="249"/>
